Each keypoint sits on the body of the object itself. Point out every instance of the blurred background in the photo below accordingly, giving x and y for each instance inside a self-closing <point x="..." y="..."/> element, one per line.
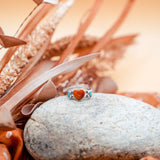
<point x="139" y="69"/>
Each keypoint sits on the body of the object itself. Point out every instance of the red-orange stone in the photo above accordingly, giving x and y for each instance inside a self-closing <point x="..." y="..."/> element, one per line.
<point x="78" y="94"/>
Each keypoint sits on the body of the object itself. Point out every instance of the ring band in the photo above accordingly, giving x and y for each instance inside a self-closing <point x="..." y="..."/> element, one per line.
<point x="79" y="93"/>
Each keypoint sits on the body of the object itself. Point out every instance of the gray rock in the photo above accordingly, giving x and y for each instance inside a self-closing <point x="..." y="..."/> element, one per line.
<point x="106" y="126"/>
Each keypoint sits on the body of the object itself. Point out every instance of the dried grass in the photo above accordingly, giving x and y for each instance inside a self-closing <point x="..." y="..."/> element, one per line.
<point x="35" y="42"/>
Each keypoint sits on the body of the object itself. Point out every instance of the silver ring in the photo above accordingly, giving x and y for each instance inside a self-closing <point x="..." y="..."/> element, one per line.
<point x="79" y="93"/>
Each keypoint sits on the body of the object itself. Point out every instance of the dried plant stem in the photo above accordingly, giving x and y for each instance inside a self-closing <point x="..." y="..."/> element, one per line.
<point x="26" y="29"/>
<point x="1" y="31"/>
<point x="56" y="49"/>
<point x="36" y="41"/>
<point x="85" y="45"/>
<point x="83" y="27"/>
<point x="106" y="38"/>
<point x="33" y="62"/>
<point x="36" y="16"/>
<point x="39" y="69"/>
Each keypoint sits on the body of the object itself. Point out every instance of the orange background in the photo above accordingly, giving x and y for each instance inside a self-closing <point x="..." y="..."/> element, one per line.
<point x="139" y="69"/>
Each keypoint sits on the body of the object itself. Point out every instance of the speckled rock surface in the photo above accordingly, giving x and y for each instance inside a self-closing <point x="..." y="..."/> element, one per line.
<point x="106" y="126"/>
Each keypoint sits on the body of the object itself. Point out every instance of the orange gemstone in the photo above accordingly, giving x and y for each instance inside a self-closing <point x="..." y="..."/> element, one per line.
<point x="78" y="94"/>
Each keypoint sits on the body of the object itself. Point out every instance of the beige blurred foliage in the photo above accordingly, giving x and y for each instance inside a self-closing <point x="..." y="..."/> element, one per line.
<point x="139" y="70"/>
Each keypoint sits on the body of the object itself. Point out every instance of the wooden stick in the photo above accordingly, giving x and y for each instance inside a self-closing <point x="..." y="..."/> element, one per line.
<point x="107" y="37"/>
<point x="83" y="27"/>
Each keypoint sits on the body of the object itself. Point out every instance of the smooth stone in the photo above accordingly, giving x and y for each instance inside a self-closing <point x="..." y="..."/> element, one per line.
<point x="106" y="126"/>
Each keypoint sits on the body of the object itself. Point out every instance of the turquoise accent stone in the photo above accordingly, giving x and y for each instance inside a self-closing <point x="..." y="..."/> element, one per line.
<point x="69" y="93"/>
<point x="90" y="94"/>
